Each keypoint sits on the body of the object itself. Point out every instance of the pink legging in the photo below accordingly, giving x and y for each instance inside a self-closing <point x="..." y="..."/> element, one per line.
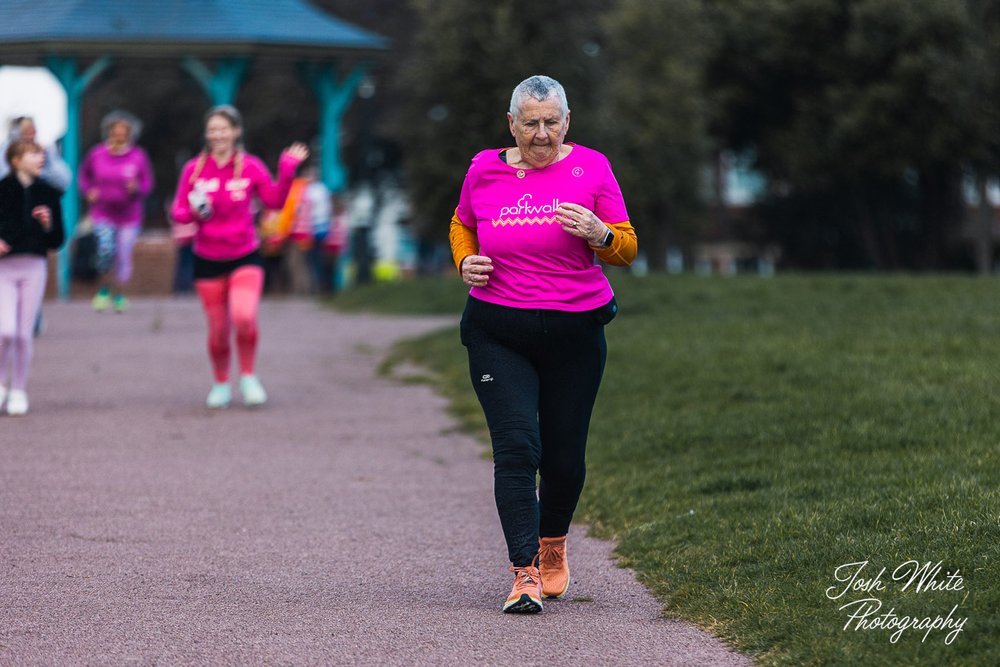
<point x="231" y="302"/>
<point x="22" y="286"/>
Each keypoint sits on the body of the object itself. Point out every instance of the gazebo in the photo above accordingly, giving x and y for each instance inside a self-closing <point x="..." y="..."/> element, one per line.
<point x="214" y="41"/>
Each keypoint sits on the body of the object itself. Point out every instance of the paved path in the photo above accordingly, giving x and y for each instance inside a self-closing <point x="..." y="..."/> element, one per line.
<point x="346" y="522"/>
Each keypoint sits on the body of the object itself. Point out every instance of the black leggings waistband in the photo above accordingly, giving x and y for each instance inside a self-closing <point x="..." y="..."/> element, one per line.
<point x="210" y="268"/>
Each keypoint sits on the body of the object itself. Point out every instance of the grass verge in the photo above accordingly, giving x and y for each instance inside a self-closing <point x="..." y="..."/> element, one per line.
<point x="753" y="436"/>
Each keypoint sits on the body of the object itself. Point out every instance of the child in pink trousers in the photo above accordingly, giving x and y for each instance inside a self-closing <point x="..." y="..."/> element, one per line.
<point x="30" y="226"/>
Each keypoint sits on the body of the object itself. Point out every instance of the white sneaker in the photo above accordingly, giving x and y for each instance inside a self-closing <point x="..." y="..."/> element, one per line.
<point x="17" y="403"/>
<point x="252" y="390"/>
<point x="220" y="396"/>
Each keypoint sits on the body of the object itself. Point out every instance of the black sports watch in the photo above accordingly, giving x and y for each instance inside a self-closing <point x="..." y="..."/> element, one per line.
<point x="608" y="240"/>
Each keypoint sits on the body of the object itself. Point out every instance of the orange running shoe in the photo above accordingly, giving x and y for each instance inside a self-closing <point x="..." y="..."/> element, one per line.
<point x="553" y="566"/>
<point x="526" y="596"/>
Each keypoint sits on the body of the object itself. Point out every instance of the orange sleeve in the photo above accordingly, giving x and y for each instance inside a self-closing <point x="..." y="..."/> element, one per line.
<point x="464" y="241"/>
<point x="286" y="218"/>
<point x="623" y="246"/>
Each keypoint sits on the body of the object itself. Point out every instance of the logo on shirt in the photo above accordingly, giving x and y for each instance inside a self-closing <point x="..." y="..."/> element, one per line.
<point x="578" y="171"/>
<point x="237" y="188"/>
<point x="525" y="213"/>
<point x="207" y="185"/>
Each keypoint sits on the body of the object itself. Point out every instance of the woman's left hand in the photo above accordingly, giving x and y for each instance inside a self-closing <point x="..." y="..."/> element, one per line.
<point x="43" y="214"/>
<point x="298" y="150"/>
<point x="581" y="222"/>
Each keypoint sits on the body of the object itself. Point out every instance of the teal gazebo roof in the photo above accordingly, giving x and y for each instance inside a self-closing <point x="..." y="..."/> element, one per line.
<point x="173" y="27"/>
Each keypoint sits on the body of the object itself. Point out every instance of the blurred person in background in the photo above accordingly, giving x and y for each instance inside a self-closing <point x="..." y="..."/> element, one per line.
<point x="286" y="236"/>
<point x="183" y="282"/>
<point x="292" y="239"/>
<point x="30" y="226"/>
<point x="315" y="217"/>
<point x="55" y="172"/>
<point x="330" y="247"/>
<point x="272" y="250"/>
<point x="530" y="221"/>
<point x="213" y="200"/>
<point x="305" y="222"/>
<point x="116" y="177"/>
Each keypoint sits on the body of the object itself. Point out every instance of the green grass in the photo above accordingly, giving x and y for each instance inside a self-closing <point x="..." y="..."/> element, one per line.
<point x="420" y="296"/>
<point x="753" y="435"/>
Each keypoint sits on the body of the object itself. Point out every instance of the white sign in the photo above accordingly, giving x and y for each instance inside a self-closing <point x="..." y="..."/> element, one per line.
<point x="33" y="91"/>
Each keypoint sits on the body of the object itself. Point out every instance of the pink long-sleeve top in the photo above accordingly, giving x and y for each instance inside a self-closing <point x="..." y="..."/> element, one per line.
<point x="229" y="232"/>
<point x="109" y="174"/>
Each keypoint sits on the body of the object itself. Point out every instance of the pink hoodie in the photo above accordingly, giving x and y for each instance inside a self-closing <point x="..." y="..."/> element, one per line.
<point x="109" y="174"/>
<point x="229" y="232"/>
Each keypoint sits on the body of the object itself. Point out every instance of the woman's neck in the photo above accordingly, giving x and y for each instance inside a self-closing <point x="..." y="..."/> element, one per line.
<point x="25" y="178"/>
<point x="517" y="159"/>
<point x="117" y="149"/>
<point x="222" y="157"/>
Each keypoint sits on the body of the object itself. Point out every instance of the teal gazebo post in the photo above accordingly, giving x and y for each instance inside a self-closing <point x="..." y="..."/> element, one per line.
<point x="65" y="71"/>
<point x="334" y="99"/>
<point x="223" y="84"/>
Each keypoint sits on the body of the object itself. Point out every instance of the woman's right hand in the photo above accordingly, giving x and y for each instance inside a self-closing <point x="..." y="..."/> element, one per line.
<point x="200" y="204"/>
<point x="4" y="248"/>
<point x="476" y="270"/>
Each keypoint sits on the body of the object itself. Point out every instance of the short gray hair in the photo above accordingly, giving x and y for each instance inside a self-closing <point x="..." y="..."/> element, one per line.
<point x="15" y="126"/>
<point x="119" y="116"/>
<point x="541" y="88"/>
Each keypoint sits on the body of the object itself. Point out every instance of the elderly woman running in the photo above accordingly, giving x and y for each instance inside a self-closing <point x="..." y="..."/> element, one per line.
<point x="116" y="177"/>
<point x="529" y="223"/>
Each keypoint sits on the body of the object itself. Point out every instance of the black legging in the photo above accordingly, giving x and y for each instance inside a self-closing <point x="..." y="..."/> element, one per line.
<point x="536" y="373"/>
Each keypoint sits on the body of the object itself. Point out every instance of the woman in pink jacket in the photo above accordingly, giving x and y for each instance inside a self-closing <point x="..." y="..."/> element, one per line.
<point x="213" y="207"/>
<point x="116" y="178"/>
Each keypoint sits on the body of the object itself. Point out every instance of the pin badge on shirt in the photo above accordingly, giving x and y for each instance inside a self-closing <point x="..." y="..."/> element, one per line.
<point x="520" y="173"/>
